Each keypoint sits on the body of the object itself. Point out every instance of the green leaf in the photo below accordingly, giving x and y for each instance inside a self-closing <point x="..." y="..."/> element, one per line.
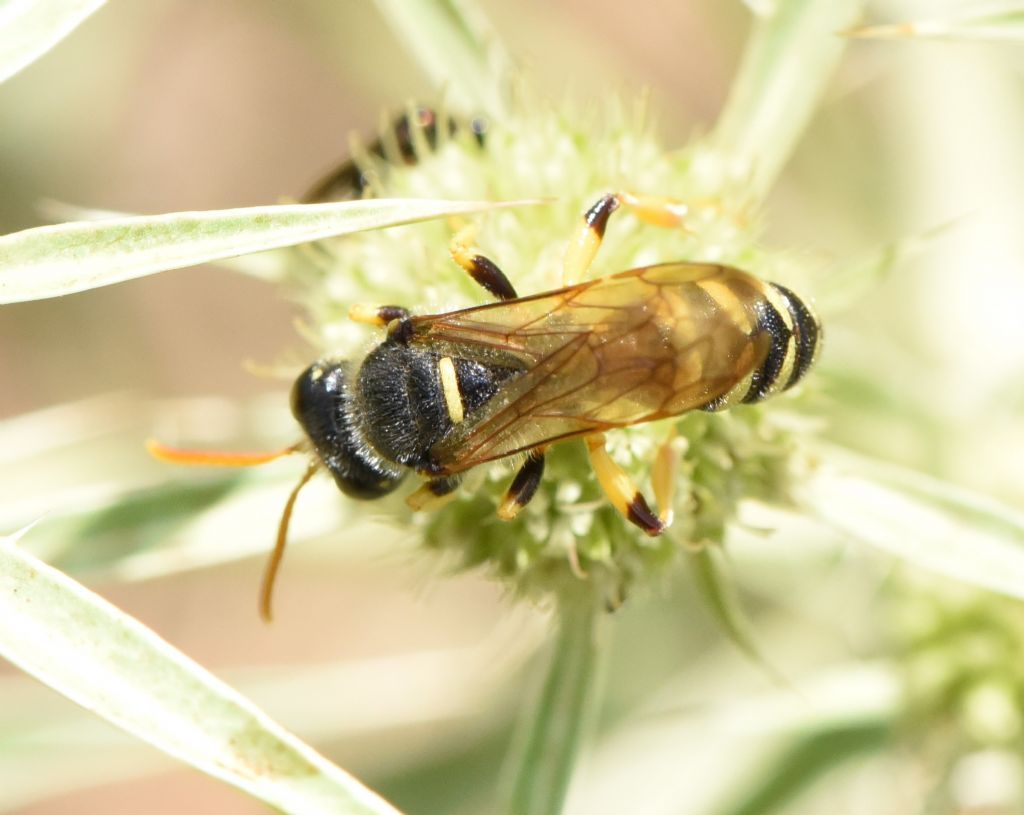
<point x="423" y="703"/>
<point x="796" y="767"/>
<point x="709" y="740"/>
<point x="932" y="524"/>
<point x="456" y="46"/>
<point x="97" y="656"/>
<point x="50" y="261"/>
<point x="719" y="595"/>
<point x="787" y="62"/>
<point x="1003" y="21"/>
<point x="30" y="28"/>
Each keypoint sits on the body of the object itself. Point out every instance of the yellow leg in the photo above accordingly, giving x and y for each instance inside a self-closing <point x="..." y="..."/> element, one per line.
<point x="482" y="269"/>
<point x="433" y="494"/>
<point x="656" y="210"/>
<point x="619" y="487"/>
<point x="463" y="244"/>
<point x="664" y="476"/>
<point x="583" y="246"/>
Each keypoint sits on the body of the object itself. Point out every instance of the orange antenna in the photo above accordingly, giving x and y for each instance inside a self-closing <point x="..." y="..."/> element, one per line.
<point x="215" y="458"/>
<point x="274" y="562"/>
<point x="227" y="458"/>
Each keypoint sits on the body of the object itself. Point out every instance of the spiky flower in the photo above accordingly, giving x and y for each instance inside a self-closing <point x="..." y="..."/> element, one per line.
<point x="568" y="533"/>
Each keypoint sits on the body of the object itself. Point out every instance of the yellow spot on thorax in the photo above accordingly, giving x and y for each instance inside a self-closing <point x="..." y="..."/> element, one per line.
<point x="450" y="389"/>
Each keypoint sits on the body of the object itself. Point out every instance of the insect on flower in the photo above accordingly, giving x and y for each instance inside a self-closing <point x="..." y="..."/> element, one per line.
<point x="443" y="393"/>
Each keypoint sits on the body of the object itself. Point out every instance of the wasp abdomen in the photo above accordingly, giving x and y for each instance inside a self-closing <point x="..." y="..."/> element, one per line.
<point x="806" y="334"/>
<point x="765" y="378"/>
<point x="789" y="333"/>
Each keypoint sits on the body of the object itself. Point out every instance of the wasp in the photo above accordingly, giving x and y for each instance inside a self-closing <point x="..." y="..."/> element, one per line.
<point x="351" y="180"/>
<point x="443" y="393"/>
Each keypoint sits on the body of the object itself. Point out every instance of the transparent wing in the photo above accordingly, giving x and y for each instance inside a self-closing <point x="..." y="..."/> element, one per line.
<point x="638" y="346"/>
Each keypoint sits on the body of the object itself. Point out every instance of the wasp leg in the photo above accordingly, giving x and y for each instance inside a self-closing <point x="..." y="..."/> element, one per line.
<point x="583" y="246"/>
<point x="664" y="476"/>
<point x="482" y="269"/>
<point x="523" y="486"/>
<point x="378" y="316"/>
<point x="619" y="488"/>
<point x="433" y="494"/>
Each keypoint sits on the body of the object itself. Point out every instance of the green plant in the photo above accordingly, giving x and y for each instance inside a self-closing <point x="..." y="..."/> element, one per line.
<point x="80" y="645"/>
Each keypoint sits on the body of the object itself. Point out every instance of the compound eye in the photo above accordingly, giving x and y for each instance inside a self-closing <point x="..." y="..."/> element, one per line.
<point x="321" y="402"/>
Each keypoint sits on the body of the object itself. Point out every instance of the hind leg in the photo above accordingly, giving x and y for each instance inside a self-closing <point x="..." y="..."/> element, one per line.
<point x="620" y="489"/>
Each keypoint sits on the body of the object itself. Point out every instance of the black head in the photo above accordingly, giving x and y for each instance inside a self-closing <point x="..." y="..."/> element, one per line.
<point x="322" y="404"/>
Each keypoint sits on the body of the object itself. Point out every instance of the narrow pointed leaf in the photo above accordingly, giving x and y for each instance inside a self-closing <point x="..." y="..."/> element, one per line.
<point x="50" y="261"/>
<point x="813" y="754"/>
<point x="930" y="523"/>
<point x="97" y="656"/>
<point x="30" y="28"/>
<point x="1002" y="22"/>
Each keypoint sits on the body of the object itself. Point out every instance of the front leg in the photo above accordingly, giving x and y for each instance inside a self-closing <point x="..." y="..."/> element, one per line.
<point x="482" y="269"/>
<point x="583" y="246"/>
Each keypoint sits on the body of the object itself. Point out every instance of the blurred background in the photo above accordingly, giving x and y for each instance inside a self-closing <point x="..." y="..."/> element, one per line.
<point x="185" y="105"/>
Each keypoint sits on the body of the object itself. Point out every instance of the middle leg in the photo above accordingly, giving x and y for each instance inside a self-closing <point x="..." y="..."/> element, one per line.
<point x="523" y="486"/>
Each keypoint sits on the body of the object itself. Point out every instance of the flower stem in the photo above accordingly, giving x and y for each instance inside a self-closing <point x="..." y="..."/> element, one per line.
<point x="544" y="756"/>
<point x="788" y="61"/>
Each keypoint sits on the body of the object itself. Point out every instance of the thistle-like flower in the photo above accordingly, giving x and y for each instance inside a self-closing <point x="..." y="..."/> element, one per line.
<point x="568" y="534"/>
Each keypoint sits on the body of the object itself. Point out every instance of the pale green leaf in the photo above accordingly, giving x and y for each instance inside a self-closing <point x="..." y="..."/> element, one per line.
<point x="797" y="766"/>
<point x="110" y="510"/>
<point x="709" y="737"/>
<point x="1003" y="21"/>
<point x="422" y="702"/>
<point x="456" y="46"/>
<point x="787" y="63"/>
<point x="50" y="261"/>
<point x="97" y="656"/>
<point x="862" y="275"/>
<point x="30" y="28"/>
<point x="930" y="523"/>
<point x="719" y="594"/>
<point x="269" y="266"/>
